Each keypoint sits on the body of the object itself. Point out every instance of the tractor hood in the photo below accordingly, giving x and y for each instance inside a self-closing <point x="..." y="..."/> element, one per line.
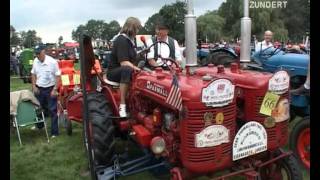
<point x="157" y="85"/>
<point x="295" y="64"/>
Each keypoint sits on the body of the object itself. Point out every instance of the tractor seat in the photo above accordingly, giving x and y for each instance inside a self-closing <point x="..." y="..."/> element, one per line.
<point x="112" y="83"/>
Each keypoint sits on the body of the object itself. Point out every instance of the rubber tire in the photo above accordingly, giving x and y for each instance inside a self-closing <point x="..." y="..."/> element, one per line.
<point x="103" y="139"/>
<point x="291" y="164"/>
<point x="68" y="126"/>
<point x="219" y="58"/>
<point x="296" y="130"/>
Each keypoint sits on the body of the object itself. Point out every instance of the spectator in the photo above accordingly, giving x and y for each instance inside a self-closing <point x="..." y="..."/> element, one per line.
<point x="266" y="42"/>
<point x="45" y="75"/>
<point x="14" y="64"/>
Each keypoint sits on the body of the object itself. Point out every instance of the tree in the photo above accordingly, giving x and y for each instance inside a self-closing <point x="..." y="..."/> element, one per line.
<point x="149" y="26"/>
<point x="30" y="38"/>
<point x="97" y="29"/>
<point x="210" y="26"/>
<point x="174" y="15"/>
<point x="79" y="30"/>
<point x="14" y="38"/>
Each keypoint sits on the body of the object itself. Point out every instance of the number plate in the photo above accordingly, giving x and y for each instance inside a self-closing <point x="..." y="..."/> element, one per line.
<point x="269" y="102"/>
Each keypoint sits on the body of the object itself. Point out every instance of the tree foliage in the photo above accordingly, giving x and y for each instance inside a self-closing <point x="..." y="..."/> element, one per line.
<point x="209" y="26"/>
<point x="97" y="29"/>
<point x="173" y="15"/>
<point x="30" y="38"/>
<point x="14" y="38"/>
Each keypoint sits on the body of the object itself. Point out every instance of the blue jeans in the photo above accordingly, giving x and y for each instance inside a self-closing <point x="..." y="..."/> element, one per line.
<point x="45" y="97"/>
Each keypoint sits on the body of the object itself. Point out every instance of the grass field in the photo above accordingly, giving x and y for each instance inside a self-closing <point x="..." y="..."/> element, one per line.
<point x="63" y="158"/>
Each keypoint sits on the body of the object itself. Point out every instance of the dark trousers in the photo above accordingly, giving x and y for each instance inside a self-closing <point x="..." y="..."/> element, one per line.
<point x="120" y="74"/>
<point x="45" y="97"/>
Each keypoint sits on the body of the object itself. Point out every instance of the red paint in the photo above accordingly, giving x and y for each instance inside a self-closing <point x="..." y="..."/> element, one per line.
<point x="303" y="147"/>
<point x="142" y="135"/>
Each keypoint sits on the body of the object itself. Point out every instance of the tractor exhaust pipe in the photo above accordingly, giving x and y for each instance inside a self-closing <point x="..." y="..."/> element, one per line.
<point x="190" y="37"/>
<point x="245" y="34"/>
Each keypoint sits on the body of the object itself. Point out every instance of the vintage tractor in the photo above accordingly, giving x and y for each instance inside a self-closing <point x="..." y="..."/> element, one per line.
<point x="26" y="60"/>
<point x="195" y="122"/>
<point x="69" y="94"/>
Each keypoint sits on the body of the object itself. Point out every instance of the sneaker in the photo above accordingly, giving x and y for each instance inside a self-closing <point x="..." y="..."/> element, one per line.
<point x="122" y="110"/>
<point x="300" y="91"/>
<point x="53" y="136"/>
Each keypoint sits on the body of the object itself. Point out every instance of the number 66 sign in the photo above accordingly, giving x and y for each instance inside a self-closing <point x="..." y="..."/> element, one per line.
<point x="269" y="102"/>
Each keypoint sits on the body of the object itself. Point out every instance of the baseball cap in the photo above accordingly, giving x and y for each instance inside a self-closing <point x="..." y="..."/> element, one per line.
<point x="39" y="48"/>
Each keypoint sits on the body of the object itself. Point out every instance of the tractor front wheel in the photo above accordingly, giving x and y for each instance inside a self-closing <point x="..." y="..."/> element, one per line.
<point x="300" y="141"/>
<point x="284" y="169"/>
<point x="101" y="129"/>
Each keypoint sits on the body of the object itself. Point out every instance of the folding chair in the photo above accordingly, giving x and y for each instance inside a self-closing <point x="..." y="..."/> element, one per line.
<point x="27" y="115"/>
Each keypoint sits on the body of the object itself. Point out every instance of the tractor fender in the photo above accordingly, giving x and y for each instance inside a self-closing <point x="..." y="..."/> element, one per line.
<point x="228" y="51"/>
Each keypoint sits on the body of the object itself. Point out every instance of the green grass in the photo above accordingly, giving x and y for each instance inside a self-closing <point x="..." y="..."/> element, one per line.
<point x="63" y="158"/>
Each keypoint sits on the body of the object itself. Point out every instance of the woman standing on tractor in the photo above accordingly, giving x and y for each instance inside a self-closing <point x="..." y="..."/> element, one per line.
<point x="123" y="56"/>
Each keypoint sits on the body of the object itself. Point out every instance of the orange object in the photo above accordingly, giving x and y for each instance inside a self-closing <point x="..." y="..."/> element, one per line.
<point x="96" y="66"/>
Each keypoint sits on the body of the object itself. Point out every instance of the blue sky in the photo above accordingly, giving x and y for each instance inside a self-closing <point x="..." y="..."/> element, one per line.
<point x="52" y="18"/>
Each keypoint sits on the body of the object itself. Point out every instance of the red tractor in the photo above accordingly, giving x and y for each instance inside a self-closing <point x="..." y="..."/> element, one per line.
<point x="194" y="122"/>
<point x="230" y="119"/>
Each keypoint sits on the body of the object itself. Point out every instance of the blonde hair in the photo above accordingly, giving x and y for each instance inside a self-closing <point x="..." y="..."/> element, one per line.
<point x="131" y="26"/>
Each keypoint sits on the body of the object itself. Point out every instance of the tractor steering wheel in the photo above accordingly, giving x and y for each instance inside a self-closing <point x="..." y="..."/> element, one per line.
<point x="166" y="60"/>
<point x="264" y="54"/>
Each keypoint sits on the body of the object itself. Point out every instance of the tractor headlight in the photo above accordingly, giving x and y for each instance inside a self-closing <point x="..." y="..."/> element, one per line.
<point x="158" y="145"/>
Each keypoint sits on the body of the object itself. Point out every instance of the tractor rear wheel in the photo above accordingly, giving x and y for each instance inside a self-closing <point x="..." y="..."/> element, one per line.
<point x="219" y="58"/>
<point x="284" y="169"/>
<point x="101" y="129"/>
<point x="300" y="141"/>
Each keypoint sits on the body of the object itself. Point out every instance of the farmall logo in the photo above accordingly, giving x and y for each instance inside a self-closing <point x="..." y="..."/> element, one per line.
<point x="157" y="88"/>
<point x="220" y="88"/>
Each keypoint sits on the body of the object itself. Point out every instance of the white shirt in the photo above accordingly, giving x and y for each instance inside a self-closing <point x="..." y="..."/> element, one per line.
<point x="164" y="51"/>
<point x="45" y="71"/>
<point x="264" y="45"/>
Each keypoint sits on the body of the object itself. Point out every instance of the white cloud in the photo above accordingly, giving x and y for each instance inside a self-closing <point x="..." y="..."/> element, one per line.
<point x="52" y="18"/>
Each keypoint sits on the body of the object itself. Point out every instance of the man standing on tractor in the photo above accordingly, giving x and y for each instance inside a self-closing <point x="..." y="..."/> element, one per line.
<point x="161" y="49"/>
<point x="45" y="75"/>
<point x="266" y="42"/>
<point x="123" y="57"/>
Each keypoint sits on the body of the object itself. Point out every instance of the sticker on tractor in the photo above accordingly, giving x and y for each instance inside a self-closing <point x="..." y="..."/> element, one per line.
<point x="279" y="83"/>
<point x="269" y="102"/>
<point x="76" y="78"/>
<point x="212" y="136"/>
<point x="30" y="62"/>
<point x="219" y="93"/>
<point x="282" y="111"/>
<point x="249" y="140"/>
<point x="65" y="80"/>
